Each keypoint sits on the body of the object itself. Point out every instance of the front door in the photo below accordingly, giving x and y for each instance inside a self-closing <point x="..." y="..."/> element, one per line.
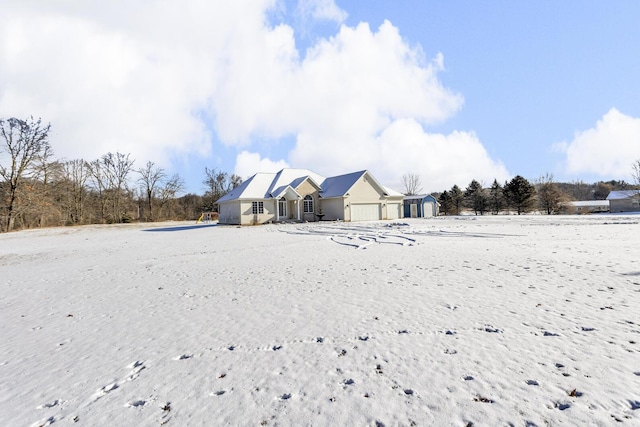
<point x="414" y="210"/>
<point x="282" y="208"/>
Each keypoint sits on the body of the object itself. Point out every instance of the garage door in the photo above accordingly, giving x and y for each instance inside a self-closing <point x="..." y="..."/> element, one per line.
<point x="366" y="212"/>
<point x="428" y="209"/>
<point x="393" y="211"/>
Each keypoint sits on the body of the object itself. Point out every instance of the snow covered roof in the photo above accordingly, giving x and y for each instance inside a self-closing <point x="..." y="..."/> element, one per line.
<point x="622" y="194"/>
<point x="418" y="196"/>
<point x="273" y="185"/>
<point x="584" y="203"/>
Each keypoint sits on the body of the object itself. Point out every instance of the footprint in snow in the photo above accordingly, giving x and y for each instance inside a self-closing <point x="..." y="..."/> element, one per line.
<point x="136" y="403"/>
<point x="532" y="382"/>
<point x="183" y="357"/>
<point x="49" y="405"/>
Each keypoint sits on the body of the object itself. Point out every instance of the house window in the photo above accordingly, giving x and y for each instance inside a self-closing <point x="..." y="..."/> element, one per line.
<point x="257" y="207"/>
<point x="307" y="204"/>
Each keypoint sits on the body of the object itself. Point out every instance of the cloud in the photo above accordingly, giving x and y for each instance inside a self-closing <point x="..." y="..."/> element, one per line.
<point x="248" y="164"/>
<point x="404" y="147"/>
<point x="607" y="150"/>
<point x="168" y="80"/>
<point x="321" y="10"/>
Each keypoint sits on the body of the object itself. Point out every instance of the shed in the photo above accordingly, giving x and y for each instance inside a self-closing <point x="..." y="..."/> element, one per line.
<point x="420" y="206"/>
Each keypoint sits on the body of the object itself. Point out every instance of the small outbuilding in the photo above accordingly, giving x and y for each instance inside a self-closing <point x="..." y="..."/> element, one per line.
<point x="624" y="201"/>
<point x="585" y="207"/>
<point x="420" y="206"/>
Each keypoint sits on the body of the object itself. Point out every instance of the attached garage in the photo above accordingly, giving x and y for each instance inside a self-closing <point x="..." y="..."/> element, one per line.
<point x="366" y="212"/>
<point x="394" y="210"/>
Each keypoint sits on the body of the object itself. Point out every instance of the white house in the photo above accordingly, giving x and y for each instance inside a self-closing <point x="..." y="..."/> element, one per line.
<point x="302" y="195"/>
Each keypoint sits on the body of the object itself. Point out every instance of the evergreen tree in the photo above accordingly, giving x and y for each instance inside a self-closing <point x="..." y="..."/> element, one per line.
<point x="476" y="198"/>
<point x="496" y="198"/>
<point x="457" y="199"/>
<point x="520" y="194"/>
<point x="446" y="204"/>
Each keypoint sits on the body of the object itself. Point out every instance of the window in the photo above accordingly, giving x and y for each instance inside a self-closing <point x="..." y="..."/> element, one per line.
<point x="307" y="204"/>
<point x="257" y="207"/>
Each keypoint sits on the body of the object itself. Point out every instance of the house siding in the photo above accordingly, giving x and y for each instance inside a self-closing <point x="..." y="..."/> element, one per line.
<point x="333" y="209"/>
<point x="624" y="205"/>
<point x="249" y="218"/>
<point x="304" y="189"/>
<point x="229" y="213"/>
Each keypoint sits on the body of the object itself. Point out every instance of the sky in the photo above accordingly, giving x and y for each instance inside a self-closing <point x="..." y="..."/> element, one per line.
<point x="448" y="90"/>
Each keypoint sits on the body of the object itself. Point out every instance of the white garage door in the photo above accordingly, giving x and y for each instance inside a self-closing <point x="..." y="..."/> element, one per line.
<point x="393" y="211"/>
<point x="366" y="212"/>
<point x="427" y="209"/>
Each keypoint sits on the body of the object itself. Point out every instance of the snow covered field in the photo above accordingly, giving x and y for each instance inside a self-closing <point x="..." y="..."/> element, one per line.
<point x="491" y="321"/>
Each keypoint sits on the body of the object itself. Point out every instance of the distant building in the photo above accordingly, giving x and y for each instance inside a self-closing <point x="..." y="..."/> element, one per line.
<point x="624" y="201"/>
<point x="420" y="206"/>
<point x="585" y="207"/>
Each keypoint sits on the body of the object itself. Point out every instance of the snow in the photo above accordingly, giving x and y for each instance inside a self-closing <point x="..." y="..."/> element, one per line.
<point x="622" y="194"/>
<point x="480" y="321"/>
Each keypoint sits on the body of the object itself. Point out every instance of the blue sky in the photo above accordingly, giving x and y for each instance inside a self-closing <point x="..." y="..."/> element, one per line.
<point x="450" y="90"/>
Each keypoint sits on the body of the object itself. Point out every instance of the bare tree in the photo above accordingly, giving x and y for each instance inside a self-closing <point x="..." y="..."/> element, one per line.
<point x="412" y="184"/>
<point x="74" y="182"/>
<point x="636" y="176"/>
<point x="117" y="168"/>
<point x="550" y="197"/>
<point x="23" y="141"/>
<point x="636" y="172"/>
<point x="168" y="192"/>
<point x="218" y="183"/>
<point x="100" y="185"/>
<point x="150" y="178"/>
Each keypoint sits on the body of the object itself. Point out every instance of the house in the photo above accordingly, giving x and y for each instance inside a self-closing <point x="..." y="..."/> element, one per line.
<point x="584" y="207"/>
<point x="420" y="206"/>
<point x="624" y="201"/>
<point x="302" y="195"/>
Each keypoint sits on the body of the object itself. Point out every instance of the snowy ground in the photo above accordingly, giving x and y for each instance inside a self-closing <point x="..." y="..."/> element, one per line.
<point x="525" y="321"/>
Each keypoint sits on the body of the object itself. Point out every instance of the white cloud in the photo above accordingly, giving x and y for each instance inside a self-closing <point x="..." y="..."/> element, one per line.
<point x="248" y="164"/>
<point x="168" y="78"/>
<point x="404" y="147"/>
<point x="322" y="9"/>
<point x="607" y="150"/>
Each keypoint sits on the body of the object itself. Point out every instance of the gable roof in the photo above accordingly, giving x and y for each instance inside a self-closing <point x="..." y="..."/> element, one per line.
<point x="622" y="194"/>
<point x="338" y="186"/>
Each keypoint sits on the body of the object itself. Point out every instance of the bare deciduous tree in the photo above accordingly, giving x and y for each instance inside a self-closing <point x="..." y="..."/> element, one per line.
<point x="23" y="141"/>
<point x="218" y="183"/>
<point x="412" y="184"/>
<point x="636" y="172"/>
<point x="168" y="192"/>
<point x="117" y="168"/>
<point x="550" y="197"/>
<point x="74" y="182"/>
<point x="150" y="178"/>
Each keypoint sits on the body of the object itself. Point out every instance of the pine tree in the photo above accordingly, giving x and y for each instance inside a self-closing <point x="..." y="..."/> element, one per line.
<point x="496" y="198"/>
<point x="520" y="194"/>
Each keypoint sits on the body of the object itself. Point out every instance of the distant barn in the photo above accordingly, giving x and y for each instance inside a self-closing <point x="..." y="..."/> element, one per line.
<point x="624" y="201"/>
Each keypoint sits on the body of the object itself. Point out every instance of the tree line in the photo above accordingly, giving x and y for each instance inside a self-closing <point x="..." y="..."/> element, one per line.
<point x="37" y="190"/>
<point x="519" y="195"/>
